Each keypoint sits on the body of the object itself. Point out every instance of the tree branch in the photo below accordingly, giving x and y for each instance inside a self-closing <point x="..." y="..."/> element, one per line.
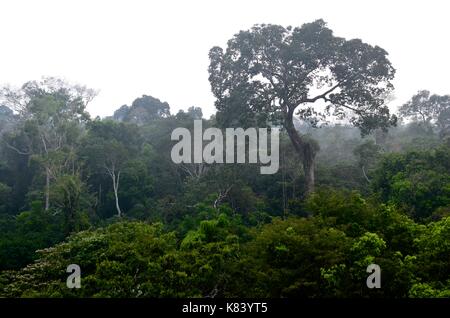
<point x="365" y="175"/>
<point x="17" y="150"/>
<point x="324" y="94"/>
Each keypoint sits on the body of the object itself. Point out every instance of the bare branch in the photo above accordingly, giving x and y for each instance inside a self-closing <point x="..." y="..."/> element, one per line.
<point x="365" y="175"/>
<point x="17" y="150"/>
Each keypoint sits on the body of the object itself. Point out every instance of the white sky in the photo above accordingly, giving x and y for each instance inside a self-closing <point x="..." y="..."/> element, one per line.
<point x="129" y="48"/>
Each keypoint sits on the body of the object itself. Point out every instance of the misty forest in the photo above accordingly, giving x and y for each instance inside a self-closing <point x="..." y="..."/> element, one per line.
<point x="359" y="182"/>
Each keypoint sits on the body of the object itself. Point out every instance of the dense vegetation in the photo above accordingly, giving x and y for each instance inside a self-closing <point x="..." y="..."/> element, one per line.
<point x="105" y="194"/>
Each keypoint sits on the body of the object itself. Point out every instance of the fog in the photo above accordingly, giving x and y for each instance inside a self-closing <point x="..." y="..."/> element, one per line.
<point x="160" y="48"/>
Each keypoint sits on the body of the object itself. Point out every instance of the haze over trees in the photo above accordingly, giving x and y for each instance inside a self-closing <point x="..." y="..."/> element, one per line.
<point x="428" y="110"/>
<point x="105" y="194"/>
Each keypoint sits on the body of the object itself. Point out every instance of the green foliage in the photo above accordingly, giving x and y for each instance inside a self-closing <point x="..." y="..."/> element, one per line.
<point x="199" y="230"/>
<point x="21" y="236"/>
<point x="129" y="259"/>
<point x="72" y="199"/>
<point x="418" y="182"/>
<point x="434" y="251"/>
<point x="289" y="256"/>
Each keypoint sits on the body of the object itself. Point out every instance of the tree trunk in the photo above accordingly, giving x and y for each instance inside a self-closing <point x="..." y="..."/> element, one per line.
<point x="365" y="175"/>
<point x="47" y="189"/>
<point x="116" y="190"/>
<point x="304" y="148"/>
<point x="308" y="167"/>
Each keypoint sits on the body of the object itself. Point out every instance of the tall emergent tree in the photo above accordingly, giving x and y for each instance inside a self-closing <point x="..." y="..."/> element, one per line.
<point x="280" y="72"/>
<point x="51" y="114"/>
<point x="143" y="110"/>
<point x="428" y="109"/>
